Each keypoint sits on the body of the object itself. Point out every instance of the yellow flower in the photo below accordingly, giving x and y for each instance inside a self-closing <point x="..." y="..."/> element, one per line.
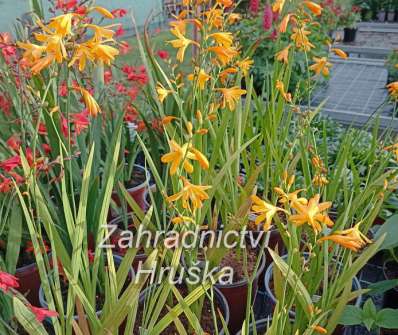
<point x="265" y="212"/>
<point x="281" y="88"/>
<point x="225" y="39"/>
<point x="320" y="330"/>
<point x="215" y="18"/>
<point x="224" y="55"/>
<point x="312" y="213"/>
<point x="393" y="89"/>
<point x="283" y="55"/>
<point x="62" y="24"/>
<point x="181" y="43"/>
<point x="230" y="96"/>
<point x="162" y="92"/>
<point x="182" y="219"/>
<point x="202" y="78"/>
<point x="178" y="155"/>
<point x="192" y="196"/>
<point x="104" y="12"/>
<point x="101" y="33"/>
<point x="321" y="65"/>
<point x="32" y="52"/>
<point x="91" y="105"/>
<point x="245" y="65"/>
<point x="278" y="6"/>
<point x="104" y="53"/>
<point x="290" y="198"/>
<point x="53" y="44"/>
<point x="168" y="119"/>
<point x="225" y="3"/>
<point x="393" y="148"/>
<point x="225" y="73"/>
<point x="340" y="53"/>
<point x="81" y="54"/>
<point x="320" y="180"/>
<point x="300" y="38"/>
<point x="351" y="238"/>
<point x="313" y="7"/>
<point x="42" y="63"/>
<point x="234" y="18"/>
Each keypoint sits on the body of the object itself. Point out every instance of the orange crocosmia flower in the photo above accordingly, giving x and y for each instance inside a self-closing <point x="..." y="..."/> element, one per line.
<point x="393" y="148"/>
<point x="284" y="23"/>
<point x="300" y="38"/>
<point x="91" y="104"/>
<point x="202" y="78"/>
<point x="230" y="96"/>
<point x="162" y="92"/>
<point x="182" y="219"/>
<point x="245" y="65"/>
<point x="290" y="198"/>
<point x="224" y="55"/>
<point x="320" y="330"/>
<point x="62" y="24"/>
<point x="277" y="7"/>
<point x="321" y="66"/>
<point x="168" y="119"/>
<point x="265" y="212"/>
<point x="181" y="43"/>
<point x="283" y="55"/>
<point x="181" y="155"/>
<point x="393" y="89"/>
<point x="234" y="18"/>
<point x="351" y="238"/>
<point x="225" y="73"/>
<point x="192" y="196"/>
<point x="281" y="88"/>
<point x="104" y="12"/>
<point x="224" y="39"/>
<point x="312" y="213"/>
<point x="340" y="53"/>
<point x="313" y="7"/>
<point x="225" y="3"/>
<point x="215" y="18"/>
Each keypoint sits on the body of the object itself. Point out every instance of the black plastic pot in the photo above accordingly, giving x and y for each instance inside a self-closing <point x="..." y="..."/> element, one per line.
<point x="349" y="35"/>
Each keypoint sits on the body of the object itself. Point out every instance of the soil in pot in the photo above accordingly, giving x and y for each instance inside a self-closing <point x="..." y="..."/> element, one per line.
<point x="206" y="320"/>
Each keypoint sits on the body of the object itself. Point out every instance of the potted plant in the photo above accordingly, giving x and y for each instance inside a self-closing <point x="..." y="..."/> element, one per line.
<point x="382" y="11"/>
<point x="392" y="6"/>
<point x="349" y="20"/>
<point x="380" y="322"/>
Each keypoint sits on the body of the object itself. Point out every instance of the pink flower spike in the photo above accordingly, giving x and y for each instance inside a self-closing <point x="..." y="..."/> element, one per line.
<point x="267" y="18"/>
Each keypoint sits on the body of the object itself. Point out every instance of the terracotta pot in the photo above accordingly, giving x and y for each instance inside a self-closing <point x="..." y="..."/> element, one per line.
<point x="268" y="278"/>
<point x="349" y="35"/>
<point x="138" y="192"/>
<point x="29" y="282"/>
<point x="391" y="296"/>
<point x="219" y="296"/>
<point x="236" y="295"/>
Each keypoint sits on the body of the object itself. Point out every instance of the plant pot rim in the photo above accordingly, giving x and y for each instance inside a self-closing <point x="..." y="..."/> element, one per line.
<point x="118" y="259"/>
<point x="142" y="185"/>
<point x="258" y="324"/>
<point x="219" y="296"/>
<point x="269" y="273"/>
<point x="27" y="268"/>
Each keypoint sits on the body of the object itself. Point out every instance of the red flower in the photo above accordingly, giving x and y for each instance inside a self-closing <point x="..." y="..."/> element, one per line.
<point x="30" y="248"/>
<point x="42" y="129"/>
<point x="10" y="163"/>
<point x="81" y="10"/>
<point x="163" y="54"/>
<point x="108" y="76"/>
<point x="18" y="179"/>
<point x="131" y="114"/>
<point x="14" y="143"/>
<point x="42" y="313"/>
<point x="64" y="126"/>
<point x="119" y="31"/>
<point x="8" y="281"/>
<point x="46" y="148"/>
<point x="141" y="126"/>
<point x="267" y="18"/>
<point x="5" y="105"/>
<point x="120" y="88"/>
<point x="81" y="121"/>
<point x="5" y="187"/>
<point x="66" y="5"/>
<point x="63" y="89"/>
<point x="120" y="12"/>
<point x="91" y="256"/>
<point x="139" y="75"/>
<point x="133" y="93"/>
